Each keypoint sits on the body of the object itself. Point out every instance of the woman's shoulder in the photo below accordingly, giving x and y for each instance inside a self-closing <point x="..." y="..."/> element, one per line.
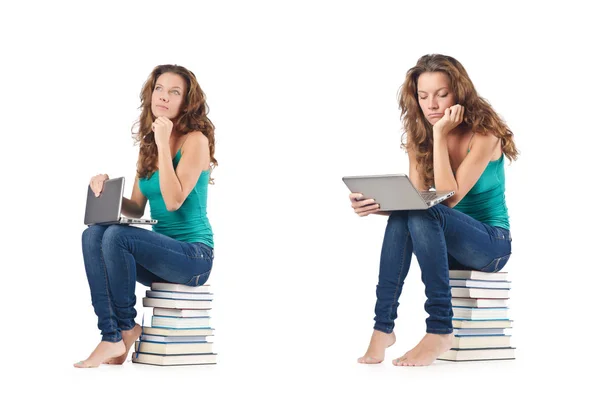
<point x="193" y="139"/>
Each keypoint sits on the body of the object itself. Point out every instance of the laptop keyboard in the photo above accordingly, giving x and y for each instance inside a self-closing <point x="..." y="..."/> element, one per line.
<point x="428" y="195"/>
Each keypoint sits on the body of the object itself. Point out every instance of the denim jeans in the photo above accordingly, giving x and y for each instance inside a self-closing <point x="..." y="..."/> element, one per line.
<point x="117" y="256"/>
<point x="441" y="238"/>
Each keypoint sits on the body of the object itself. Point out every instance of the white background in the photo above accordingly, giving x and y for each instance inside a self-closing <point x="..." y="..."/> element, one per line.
<point x="301" y="95"/>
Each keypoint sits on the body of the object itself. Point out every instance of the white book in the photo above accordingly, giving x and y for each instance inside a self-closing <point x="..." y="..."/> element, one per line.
<point x="168" y="331"/>
<point x="172" y="339"/>
<point x="478" y="354"/>
<point x="173" y="348"/>
<point x="476" y="324"/>
<point x="471" y="313"/>
<point x="479" y="302"/>
<point x="167" y="303"/>
<point x="179" y="312"/>
<point x="472" y="283"/>
<point x="180" y="322"/>
<point x="472" y="342"/>
<point x="167" y="286"/>
<point x="152" y="359"/>
<point x="480" y="331"/>
<point x="484" y="276"/>
<point x="458" y="292"/>
<point x="179" y="295"/>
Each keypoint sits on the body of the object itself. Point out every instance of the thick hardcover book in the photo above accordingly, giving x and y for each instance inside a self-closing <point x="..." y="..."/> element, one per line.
<point x="152" y="359"/>
<point x="167" y="286"/>
<point x="472" y="283"/>
<point x="178" y="312"/>
<point x="476" y="324"/>
<point x="478" y="302"/>
<point x="173" y="348"/>
<point x="169" y="331"/>
<point x="475" y="313"/>
<point x="179" y="295"/>
<point x="472" y="342"/>
<point x="458" y="292"/>
<point x="489" y="354"/>
<point x="484" y="276"/>
<point x="180" y="322"/>
<point x="167" y="303"/>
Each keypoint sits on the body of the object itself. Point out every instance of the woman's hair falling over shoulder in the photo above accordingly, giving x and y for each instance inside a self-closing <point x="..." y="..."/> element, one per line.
<point x="193" y="117"/>
<point x="479" y="115"/>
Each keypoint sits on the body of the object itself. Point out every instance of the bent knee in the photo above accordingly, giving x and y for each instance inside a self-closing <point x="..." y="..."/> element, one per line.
<point x="113" y="234"/>
<point x="93" y="233"/>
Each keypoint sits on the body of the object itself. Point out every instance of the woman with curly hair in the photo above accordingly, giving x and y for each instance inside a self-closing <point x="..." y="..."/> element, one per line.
<point x="455" y="142"/>
<point x="176" y="158"/>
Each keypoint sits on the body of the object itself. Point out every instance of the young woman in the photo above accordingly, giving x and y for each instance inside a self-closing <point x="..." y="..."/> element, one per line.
<point x="455" y="141"/>
<point x="176" y="158"/>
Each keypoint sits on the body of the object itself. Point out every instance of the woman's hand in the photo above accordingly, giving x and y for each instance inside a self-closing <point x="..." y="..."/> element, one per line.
<point x="162" y="127"/>
<point x="452" y="118"/>
<point x="363" y="207"/>
<point x="97" y="183"/>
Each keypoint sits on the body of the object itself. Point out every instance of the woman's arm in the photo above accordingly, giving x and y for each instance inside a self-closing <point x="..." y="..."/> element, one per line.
<point x="175" y="186"/>
<point x="135" y="206"/>
<point x="469" y="171"/>
<point x="413" y="173"/>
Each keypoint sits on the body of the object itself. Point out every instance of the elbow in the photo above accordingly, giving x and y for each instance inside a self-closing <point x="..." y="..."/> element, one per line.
<point x="452" y="201"/>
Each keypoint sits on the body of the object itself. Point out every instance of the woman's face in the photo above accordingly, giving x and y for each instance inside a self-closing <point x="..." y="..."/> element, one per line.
<point x="168" y="95"/>
<point x="435" y="95"/>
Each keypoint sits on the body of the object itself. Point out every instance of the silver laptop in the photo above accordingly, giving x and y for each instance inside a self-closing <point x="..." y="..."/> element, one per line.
<point x="106" y="208"/>
<point x="394" y="192"/>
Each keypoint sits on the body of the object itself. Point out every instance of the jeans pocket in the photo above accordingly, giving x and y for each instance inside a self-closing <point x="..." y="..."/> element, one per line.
<point x="198" y="280"/>
<point x="496" y="264"/>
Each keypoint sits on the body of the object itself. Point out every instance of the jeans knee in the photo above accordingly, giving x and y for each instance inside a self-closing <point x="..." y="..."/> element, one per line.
<point x="92" y="236"/>
<point x="112" y="236"/>
<point x="398" y="218"/>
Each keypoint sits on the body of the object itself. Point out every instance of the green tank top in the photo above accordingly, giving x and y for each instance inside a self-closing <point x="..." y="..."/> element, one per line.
<point x="485" y="201"/>
<point x="189" y="223"/>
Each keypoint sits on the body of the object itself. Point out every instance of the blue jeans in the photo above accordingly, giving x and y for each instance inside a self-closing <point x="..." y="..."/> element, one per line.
<point x="117" y="256"/>
<point x="441" y="238"/>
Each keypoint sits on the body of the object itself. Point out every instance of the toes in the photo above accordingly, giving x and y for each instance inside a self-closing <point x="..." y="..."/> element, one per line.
<point x="82" y="364"/>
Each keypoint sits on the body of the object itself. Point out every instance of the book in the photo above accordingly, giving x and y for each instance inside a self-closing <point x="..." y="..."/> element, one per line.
<point x="178" y="312"/>
<point x="179" y="295"/>
<point x="463" y="342"/>
<point x="483" y="276"/>
<point x="172" y="339"/>
<point x="478" y="354"/>
<point x="472" y="283"/>
<point x="476" y="324"/>
<point x="173" y="348"/>
<point x="180" y="322"/>
<point x="480" y="331"/>
<point x="167" y="286"/>
<point x="475" y="313"/>
<point x="167" y="303"/>
<point x="153" y="359"/>
<point x="168" y="331"/>
<point x="458" y="292"/>
<point x="479" y="302"/>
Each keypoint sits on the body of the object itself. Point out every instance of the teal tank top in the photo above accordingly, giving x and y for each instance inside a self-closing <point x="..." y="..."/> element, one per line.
<point x="485" y="201"/>
<point x="189" y="223"/>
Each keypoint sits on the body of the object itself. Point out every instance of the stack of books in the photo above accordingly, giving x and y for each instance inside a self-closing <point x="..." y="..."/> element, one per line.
<point x="481" y="320"/>
<point x="180" y="328"/>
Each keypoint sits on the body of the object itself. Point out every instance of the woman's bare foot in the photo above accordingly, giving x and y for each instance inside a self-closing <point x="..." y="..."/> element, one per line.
<point x="426" y="351"/>
<point x="129" y="337"/>
<point x="104" y="351"/>
<point x="379" y="343"/>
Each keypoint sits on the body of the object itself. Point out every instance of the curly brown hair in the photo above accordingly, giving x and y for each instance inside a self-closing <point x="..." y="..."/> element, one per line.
<point x="479" y="116"/>
<point x="192" y="118"/>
